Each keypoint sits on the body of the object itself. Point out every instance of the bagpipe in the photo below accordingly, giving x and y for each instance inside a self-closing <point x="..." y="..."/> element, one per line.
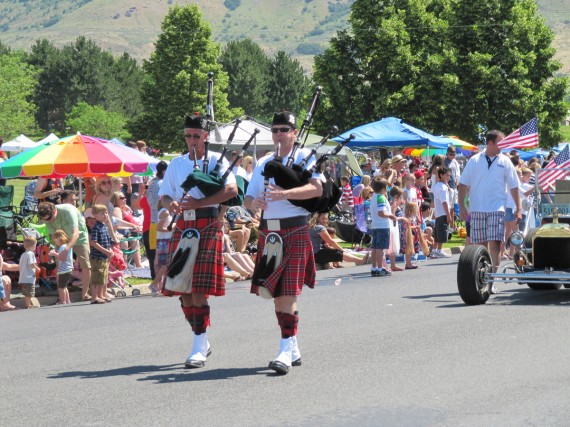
<point x="291" y="175"/>
<point x="210" y="183"/>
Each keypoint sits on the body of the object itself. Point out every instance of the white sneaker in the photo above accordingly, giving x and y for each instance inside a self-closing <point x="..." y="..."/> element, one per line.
<point x="444" y="255"/>
<point x="436" y="254"/>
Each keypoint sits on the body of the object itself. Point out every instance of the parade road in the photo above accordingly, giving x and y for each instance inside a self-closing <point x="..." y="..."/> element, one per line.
<point x="377" y="351"/>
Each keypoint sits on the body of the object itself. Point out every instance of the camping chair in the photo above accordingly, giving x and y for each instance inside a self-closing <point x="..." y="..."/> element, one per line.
<point x="7" y="216"/>
<point x="130" y="251"/>
<point x="29" y="205"/>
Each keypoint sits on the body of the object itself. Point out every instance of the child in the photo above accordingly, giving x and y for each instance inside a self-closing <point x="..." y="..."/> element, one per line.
<point x="163" y="236"/>
<point x="525" y="189"/>
<point x="396" y="235"/>
<point x="347" y="199"/>
<point x="64" y="268"/>
<point x="410" y="192"/>
<point x="442" y="212"/>
<point x="411" y="212"/>
<point x="381" y="215"/>
<point x="100" y="242"/>
<point x="28" y="270"/>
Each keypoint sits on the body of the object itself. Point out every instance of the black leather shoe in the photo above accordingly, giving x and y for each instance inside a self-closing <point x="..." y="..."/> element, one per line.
<point x="194" y="364"/>
<point x="296" y="362"/>
<point x="279" y="367"/>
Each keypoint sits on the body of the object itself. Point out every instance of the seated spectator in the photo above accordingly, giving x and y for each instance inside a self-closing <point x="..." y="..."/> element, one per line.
<point x="325" y="249"/>
<point x="123" y="212"/>
<point x="238" y="262"/>
<point x="69" y="197"/>
<point x="48" y="190"/>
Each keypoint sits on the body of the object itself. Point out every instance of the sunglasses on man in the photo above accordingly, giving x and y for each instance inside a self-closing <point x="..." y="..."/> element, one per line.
<point x="278" y="130"/>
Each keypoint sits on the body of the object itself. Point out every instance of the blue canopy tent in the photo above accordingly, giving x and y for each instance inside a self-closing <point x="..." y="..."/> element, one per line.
<point x="388" y="132"/>
<point x="394" y="132"/>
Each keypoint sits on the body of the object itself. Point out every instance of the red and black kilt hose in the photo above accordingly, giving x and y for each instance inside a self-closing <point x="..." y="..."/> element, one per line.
<point x="297" y="267"/>
<point x="208" y="276"/>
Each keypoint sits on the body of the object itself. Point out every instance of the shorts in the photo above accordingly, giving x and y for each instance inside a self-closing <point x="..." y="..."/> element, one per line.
<point x="380" y="238"/>
<point x="81" y="250"/>
<point x="509" y="215"/>
<point x="2" y="291"/>
<point x="327" y="255"/>
<point x="29" y="290"/>
<point x="63" y="279"/>
<point x="487" y="226"/>
<point x="99" y="271"/>
<point x="440" y="233"/>
<point x="162" y="252"/>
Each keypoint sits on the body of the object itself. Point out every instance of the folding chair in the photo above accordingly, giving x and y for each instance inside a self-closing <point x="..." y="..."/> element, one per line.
<point x="7" y="215"/>
<point x="130" y="252"/>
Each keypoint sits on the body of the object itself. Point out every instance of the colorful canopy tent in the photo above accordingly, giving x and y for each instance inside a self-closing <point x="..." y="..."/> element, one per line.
<point x="19" y="144"/>
<point x="78" y="155"/>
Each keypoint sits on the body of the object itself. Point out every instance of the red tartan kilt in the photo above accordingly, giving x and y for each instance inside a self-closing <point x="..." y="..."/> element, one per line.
<point x="208" y="276"/>
<point x="298" y="265"/>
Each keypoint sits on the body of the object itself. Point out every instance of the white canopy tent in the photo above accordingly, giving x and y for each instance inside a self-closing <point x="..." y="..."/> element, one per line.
<point x="19" y="144"/>
<point x="51" y="137"/>
<point x="262" y="142"/>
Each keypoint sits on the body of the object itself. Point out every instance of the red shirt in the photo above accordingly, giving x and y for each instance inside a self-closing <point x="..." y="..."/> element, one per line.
<point x="146" y="213"/>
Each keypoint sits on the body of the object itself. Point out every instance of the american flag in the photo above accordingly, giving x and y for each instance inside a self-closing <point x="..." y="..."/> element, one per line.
<point x="524" y="137"/>
<point x="562" y="160"/>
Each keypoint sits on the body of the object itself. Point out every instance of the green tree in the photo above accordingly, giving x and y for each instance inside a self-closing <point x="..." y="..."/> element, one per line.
<point x="96" y="121"/>
<point x="248" y="71"/>
<point x="176" y="78"/>
<point x="288" y="85"/>
<point x="83" y="72"/>
<point x="446" y="66"/>
<point x="16" y="87"/>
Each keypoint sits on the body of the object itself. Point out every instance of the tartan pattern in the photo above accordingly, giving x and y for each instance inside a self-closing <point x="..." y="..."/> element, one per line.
<point x="297" y="266"/>
<point x="487" y="226"/>
<point x="208" y="276"/>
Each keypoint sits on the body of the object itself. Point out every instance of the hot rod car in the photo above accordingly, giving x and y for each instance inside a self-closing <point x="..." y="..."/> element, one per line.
<point x="542" y="257"/>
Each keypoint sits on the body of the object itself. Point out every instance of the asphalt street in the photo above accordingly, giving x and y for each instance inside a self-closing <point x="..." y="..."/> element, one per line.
<point x="383" y="351"/>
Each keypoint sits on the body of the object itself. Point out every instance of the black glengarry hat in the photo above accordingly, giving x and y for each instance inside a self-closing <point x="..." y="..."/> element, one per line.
<point x="196" y="122"/>
<point x="284" y="118"/>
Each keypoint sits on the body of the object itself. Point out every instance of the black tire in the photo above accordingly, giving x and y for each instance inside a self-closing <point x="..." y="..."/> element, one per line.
<point x="544" y="286"/>
<point x="121" y="294"/>
<point x="473" y="262"/>
<point x="136" y="292"/>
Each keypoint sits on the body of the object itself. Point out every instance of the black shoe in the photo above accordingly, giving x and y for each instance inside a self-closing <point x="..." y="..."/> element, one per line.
<point x="296" y="362"/>
<point x="279" y="367"/>
<point x="194" y="364"/>
<point x="374" y="273"/>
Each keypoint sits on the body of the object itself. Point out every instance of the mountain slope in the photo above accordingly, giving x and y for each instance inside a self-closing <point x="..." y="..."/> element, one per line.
<point x="301" y="28"/>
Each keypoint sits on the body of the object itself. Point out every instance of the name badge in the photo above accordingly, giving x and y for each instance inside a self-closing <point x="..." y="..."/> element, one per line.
<point x="273" y="224"/>
<point x="190" y="215"/>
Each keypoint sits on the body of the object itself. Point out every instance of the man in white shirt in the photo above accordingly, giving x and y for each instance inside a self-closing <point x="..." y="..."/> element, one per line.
<point x="488" y="177"/>
<point x="297" y="268"/>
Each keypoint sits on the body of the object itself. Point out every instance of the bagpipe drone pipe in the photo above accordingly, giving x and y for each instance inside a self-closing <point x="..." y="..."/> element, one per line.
<point x="296" y="176"/>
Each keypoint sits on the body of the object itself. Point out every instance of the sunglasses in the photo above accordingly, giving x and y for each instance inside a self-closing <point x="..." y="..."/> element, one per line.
<point x="195" y="135"/>
<point x="122" y="198"/>
<point x="48" y="218"/>
<point x="451" y="154"/>
<point x="282" y="130"/>
<point x="106" y="182"/>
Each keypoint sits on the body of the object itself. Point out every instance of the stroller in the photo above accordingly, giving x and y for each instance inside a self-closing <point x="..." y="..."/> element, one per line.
<point x="116" y="282"/>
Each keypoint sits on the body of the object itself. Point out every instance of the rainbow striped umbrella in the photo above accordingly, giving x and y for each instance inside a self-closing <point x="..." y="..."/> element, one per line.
<point x="78" y="155"/>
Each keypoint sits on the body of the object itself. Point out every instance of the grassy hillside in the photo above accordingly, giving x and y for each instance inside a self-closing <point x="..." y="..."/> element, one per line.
<point x="299" y="27"/>
<point x="302" y="28"/>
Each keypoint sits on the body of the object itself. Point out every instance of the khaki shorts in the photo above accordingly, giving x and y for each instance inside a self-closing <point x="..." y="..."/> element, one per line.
<point x="99" y="271"/>
<point x="81" y="250"/>
<point x="63" y="279"/>
<point x="29" y="290"/>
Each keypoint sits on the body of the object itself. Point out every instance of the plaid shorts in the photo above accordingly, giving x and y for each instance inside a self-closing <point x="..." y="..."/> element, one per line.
<point x="162" y="252"/>
<point x="487" y="227"/>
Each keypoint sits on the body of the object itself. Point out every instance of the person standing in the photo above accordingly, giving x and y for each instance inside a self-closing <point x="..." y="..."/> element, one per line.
<point x="297" y="266"/>
<point x="150" y="209"/>
<point x="200" y="212"/>
<point x="488" y="177"/>
<point x="67" y="218"/>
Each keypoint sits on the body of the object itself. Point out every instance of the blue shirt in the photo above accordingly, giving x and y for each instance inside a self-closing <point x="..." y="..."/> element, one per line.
<point x="100" y="234"/>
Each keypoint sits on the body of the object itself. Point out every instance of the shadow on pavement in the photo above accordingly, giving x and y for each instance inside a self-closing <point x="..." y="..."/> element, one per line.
<point x="125" y="371"/>
<point x="184" y="375"/>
